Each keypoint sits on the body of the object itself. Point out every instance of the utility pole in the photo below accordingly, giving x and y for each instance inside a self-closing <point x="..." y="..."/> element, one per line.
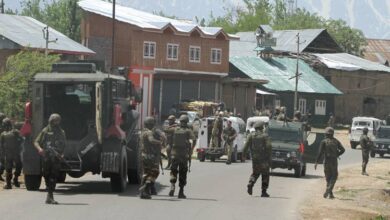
<point x="45" y="31"/>
<point x="113" y="36"/>
<point x="297" y="74"/>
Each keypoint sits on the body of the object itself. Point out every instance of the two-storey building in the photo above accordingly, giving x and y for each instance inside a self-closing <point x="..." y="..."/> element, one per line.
<point x="171" y="60"/>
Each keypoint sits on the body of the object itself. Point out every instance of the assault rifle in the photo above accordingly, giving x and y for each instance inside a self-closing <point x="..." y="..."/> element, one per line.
<point x="57" y="155"/>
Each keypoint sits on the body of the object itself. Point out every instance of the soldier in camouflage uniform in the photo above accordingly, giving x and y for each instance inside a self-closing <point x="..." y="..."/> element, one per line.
<point x="10" y="141"/>
<point x="2" y="163"/>
<point x="366" y="144"/>
<point x="181" y="153"/>
<point x="50" y="144"/>
<point x="217" y="130"/>
<point x="261" y="149"/>
<point x="229" y="134"/>
<point x="297" y="117"/>
<point x="331" y="149"/>
<point x="171" y="124"/>
<point x="151" y="150"/>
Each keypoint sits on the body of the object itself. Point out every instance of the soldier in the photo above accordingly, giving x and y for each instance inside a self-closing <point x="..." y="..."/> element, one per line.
<point x="50" y="144"/>
<point x="276" y="113"/>
<point x="151" y="150"/>
<point x="217" y="130"/>
<point x="261" y="149"/>
<point x="297" y="117"/>
<point x="366" y="144"/>
<point x="331" y="149"/>
<point x="171" y="124"/>
<point x="282" y="114"/>
<point x="2" y="168"/>
<point x="10" y="141"/>
<point x="181" y="154"/>
<point x="229" y="134"/>
<point x="331" y="120"/>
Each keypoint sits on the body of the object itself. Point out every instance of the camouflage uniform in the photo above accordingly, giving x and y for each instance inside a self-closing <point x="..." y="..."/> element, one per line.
<point x="52" y="136"/>
<point x="151" y="150"/>
<point x="229" y="134"/>
<point x="172" y="124"/>
<point x="331" y="149"/>
<point x="181" y="153"/>
<point x="297" y="117"/>
<point x="261" y="149"/>
<point x="10" y="147"/>
<point x="366" y="144"/>
<point x="216" y="132"/>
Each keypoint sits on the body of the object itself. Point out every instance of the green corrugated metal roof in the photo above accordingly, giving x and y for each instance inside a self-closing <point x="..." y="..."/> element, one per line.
<point x="278" y="72"/>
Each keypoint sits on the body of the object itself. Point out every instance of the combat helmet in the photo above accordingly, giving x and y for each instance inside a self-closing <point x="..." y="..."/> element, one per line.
<point x="329" y="131"/>
<point x="259" y="125"/>
<point x="149" y="122"/>
<point x="54" y="118"/>
<point x="365" y="130"/>
<point x="184" y="119"/>
<point x="171" y="118"/>
<point x="7" y="124"/>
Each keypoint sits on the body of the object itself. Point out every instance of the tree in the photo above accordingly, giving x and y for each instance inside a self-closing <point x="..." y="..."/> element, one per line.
<point x="64" y="16"/>
<point x="20" y="69"/>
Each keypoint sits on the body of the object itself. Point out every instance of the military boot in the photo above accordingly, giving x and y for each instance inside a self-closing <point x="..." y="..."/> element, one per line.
<point x="331" y="196"/>
<point x="153" y="190"/>
<point x="250" y="188"/>
<point x="16" y="181"/>
<point x="50" y="199"/>
<point x="364" y="170"/>
<point x="8" y="182"/>
<point x="264" y="193"/>
<point x="326" y="194"/>
<point x="181" y="194"/>
<point x="145" y="191"/>
<point x="172" y="191"/>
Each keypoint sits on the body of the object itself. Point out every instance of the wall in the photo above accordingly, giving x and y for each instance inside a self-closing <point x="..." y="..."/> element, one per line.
<point x="240" y="98"/>
<point x="358" y="87"/>
<point x="97" y="31"/>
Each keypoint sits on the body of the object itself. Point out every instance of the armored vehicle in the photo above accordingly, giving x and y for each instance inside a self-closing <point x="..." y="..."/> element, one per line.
<point x="381" y="142"/>
<point x="293" y="145"/>
<point x="98" y="117"/>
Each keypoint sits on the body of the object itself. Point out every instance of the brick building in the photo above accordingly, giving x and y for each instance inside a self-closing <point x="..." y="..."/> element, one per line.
<point x="171" y="60"/>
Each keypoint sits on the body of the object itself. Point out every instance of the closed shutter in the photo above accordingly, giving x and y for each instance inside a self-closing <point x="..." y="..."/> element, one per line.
<point x="170" y="96"/>
<point x="190" y="90"/>
<point x="207" y="90"/>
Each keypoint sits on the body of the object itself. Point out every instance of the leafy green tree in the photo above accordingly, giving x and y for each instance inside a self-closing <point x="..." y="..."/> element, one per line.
<point x="64" y="16"/>
<point x="20" y="69"/>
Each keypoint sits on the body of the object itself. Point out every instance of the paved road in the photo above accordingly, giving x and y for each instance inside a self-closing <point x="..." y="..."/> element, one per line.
<point x="215" y="191"/>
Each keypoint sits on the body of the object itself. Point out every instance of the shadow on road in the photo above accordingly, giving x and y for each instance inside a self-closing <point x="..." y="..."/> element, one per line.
<point x="291" y="175"/>
<point x="273" y="197"/>
<point x="72" y="204"/>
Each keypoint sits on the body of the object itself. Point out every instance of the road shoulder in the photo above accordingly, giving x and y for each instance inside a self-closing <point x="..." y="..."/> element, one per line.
<point x="357" y="196"/>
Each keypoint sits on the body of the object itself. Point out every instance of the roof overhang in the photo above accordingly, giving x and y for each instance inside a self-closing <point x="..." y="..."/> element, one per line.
<point x="262" y="92"/>
<point x="187" y="72"/>
<point x="244" y="80"/>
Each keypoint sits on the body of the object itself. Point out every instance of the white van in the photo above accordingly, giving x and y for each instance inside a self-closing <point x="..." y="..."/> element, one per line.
<point x="250" y="122"/>
<point x="204" y="136"/>
<point x="356" y="130"/>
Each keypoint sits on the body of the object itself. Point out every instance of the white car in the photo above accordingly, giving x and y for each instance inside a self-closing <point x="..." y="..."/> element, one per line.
<point x="356" y="130"/>
<point x="203" y="147"/>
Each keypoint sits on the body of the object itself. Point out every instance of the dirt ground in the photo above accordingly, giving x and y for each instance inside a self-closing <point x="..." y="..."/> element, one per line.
<point x="357" y="196"/>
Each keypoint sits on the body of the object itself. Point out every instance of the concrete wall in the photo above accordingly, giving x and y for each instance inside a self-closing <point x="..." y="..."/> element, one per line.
<point x="365" y="93"/>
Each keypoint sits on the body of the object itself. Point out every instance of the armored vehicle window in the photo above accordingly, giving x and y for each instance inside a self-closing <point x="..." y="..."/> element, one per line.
<point x="384" y="133"/>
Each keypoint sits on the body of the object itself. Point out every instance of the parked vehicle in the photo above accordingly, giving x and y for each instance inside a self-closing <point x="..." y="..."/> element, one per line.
<point x="293" y="146"/>
<point x="381" y="142"/>
<point x="356" y="130"/>
<point x="99" y="122"/>
<point x="204" y="137"/>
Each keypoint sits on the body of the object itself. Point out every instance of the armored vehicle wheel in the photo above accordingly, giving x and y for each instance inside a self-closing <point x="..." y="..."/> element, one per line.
<point x="61" y="177"/>
<point x="353" y="145"/>
<point x="76" y="174"/>
<point x="372" y="154"/>
<point x="381" y="154"/>
<point x="33" y="182"/>
<point x="201" y="156"/>
<point x="212" y="158"/>
<point x="119" y="180"/>
<point x="234" y="154"/>
<point x="298" y="171"/>
<point x="303" y="172"/>
<point x="134" y="175"/>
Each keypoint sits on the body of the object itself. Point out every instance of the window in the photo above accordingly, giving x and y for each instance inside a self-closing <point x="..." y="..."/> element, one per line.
<point x="216" y="56"/>
<point x="302" y="106"/>
<point x="149" y="49"/>
<point x="172" y="51"/>
<point x="194" y="54"/>
<point x="320" y="108"/>
<point x="277" y="103"/>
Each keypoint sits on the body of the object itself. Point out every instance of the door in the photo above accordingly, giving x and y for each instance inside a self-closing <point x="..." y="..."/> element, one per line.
<point x="312" y="147"/>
